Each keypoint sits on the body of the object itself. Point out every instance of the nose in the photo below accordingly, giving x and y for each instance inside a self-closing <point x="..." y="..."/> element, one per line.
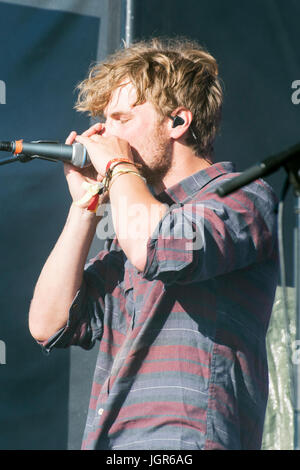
<point x="108" y="129"/>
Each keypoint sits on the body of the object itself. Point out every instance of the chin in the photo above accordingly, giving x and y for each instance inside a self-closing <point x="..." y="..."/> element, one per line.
<point x="144" y="170"/>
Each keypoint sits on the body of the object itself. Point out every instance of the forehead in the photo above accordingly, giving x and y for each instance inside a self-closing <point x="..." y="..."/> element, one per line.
<point x="122" y="99"/>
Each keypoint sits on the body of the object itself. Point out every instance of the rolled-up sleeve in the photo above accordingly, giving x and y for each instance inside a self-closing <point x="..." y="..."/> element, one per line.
<point x="170" y="250"/>
<point x="85" y="322"/>
<point x="212" y="236"/>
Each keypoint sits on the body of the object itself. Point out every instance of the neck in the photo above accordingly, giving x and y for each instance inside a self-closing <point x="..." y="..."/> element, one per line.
<point x="182" y="167"/>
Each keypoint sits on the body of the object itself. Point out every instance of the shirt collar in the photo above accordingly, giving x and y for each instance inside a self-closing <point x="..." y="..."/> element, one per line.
<point x="184" y="190"/>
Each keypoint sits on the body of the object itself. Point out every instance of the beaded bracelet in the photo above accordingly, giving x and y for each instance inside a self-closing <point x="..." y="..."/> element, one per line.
<point x="95" y="190"/>
<point x="109" y="173"/>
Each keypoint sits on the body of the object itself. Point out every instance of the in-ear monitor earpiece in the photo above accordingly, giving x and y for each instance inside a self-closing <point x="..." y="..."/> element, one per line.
<point x="177" y="121"/>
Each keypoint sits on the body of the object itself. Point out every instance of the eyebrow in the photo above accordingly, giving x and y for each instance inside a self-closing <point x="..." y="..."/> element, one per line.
<point x="117" y="113"/>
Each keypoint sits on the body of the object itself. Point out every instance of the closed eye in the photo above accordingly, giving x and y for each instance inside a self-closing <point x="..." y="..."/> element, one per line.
<point x="121" y="117"/>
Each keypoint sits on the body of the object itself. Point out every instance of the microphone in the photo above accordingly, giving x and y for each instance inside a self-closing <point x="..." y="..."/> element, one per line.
<point x="75" y="154"/>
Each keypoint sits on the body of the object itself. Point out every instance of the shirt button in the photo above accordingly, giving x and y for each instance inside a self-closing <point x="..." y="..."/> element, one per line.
<point x="100" y="411"/>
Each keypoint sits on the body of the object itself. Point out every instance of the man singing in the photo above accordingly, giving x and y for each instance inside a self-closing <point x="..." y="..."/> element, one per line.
<point x="180" y="298"/>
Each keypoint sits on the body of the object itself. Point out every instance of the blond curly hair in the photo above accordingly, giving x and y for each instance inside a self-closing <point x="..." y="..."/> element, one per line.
<point x="169" y="73"/>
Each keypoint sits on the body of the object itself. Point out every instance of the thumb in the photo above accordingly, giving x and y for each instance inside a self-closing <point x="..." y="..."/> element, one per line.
<point x="86" y="142"/>
<point x="82" y="140"/>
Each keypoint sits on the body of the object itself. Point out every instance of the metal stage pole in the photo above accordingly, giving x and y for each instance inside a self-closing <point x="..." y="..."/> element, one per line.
<point x="129" y="22"/>
<point x="296" y="351"/>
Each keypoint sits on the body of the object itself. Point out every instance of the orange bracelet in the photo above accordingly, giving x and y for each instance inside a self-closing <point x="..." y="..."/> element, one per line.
<point x="119" y="159"/>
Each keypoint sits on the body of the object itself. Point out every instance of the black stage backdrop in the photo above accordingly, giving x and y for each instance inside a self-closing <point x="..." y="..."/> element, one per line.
<point x="44" y="52"/>
<point x="256" y="44"/>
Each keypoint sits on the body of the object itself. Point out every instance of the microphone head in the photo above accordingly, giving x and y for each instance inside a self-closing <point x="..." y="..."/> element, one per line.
<point x="80" y="157"/>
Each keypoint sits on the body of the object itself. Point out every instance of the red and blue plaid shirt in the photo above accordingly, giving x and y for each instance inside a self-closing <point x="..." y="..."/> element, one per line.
<point x="182" y="358"/>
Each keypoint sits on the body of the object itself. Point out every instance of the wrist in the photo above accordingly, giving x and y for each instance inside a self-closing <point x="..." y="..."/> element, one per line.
<point x="116" y="161"/>
<point x="115" y="175"/>
<point x="124" y="166"/>
<point x="82" y="214"/>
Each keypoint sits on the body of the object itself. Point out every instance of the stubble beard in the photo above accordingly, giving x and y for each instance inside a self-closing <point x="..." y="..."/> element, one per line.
<point x="159" y="160"/>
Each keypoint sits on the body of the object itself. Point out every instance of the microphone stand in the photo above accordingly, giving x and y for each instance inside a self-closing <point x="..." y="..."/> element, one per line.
<point x="294" y="176"/>
<point x="290" y="160"/>
<point x="17" y="158"/>
<point x="26" y="158"/>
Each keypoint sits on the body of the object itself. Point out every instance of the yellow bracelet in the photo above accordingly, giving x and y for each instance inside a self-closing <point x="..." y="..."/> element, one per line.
<point x="123" y="172"/>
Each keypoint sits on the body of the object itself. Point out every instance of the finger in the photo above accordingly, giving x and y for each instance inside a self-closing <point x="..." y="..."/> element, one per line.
<point x="91" y="180"/>
<point x="100" y="177"/>
<point x="95" y="129"/>
<point x="82" y="139"/>
<point x="71" y="137"/>
<point x="96" y="138"/>
<point x="67" y="168"/>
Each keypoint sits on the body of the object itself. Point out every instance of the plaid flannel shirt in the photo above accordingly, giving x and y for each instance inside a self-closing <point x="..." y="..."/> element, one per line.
<point x="182" y="358"/>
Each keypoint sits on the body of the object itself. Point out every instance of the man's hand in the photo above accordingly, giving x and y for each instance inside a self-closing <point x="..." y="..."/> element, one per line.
<point x="103" y="149"/>
<point x="76" y="176"/>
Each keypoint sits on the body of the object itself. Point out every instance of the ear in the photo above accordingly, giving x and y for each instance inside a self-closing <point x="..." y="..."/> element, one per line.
<point x="180" y="122"/>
